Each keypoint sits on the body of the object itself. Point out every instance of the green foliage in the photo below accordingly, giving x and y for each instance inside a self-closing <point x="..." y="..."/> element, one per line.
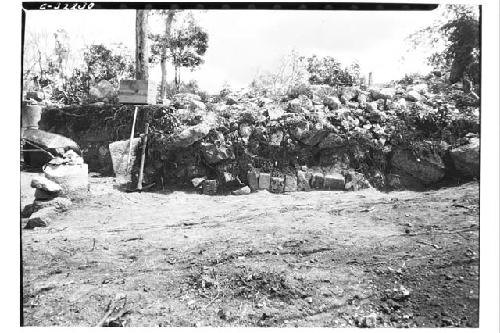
<point x="300" y="89"/>
<point x="328" y="70"/>
<point x="100" y="64"/>
<point x="290" y="74"/>
<point x="185" y="46"/>
<point x="411" y="78"/>
<point x="456" y="37"/>
<point x="188" y="47"/>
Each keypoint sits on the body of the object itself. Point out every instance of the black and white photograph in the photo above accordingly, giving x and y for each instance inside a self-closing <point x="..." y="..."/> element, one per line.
<point x="255" y="165"/>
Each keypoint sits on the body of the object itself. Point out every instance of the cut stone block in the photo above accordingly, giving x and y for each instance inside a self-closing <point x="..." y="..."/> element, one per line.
<point x="303" y="180"/>
<point x="334" y="181"/>
<point x="277" y="184"/>
<point x="317" y="180"/>
<point x="210" y="187"/>
<point x="264" y="181"/>
<point x="290" y="183"/>
<point x="119" y="156"/>
<point x="253" y="180"/>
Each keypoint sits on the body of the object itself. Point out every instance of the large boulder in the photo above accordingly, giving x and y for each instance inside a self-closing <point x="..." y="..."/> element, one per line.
<point x="34" y="95"/>
<point x="274" y="111"/>
<point x="196" y="105"/>
<point x="466" y="158"/>
<point x="413" y="96"/>
<point x="216" y="153"/>
<point x="187" y="136"/>
<point x="184" y="100"/>
<point x="347" y="94"/>
<point x="332" y="102"/>
<point x="428" y="168"/>
<point x="60" y="204"/>
<point x="103" y="90"/>
<point x="308" y="133"/>
<point x="385" y="93"/>
<point x="41" y="218"/>
<point x="355" y="181"/>
<point x="332" y="140"/>
<point x="300" y="104"/>
<point x="47" y="145"/>
<point x="45" y="184"/>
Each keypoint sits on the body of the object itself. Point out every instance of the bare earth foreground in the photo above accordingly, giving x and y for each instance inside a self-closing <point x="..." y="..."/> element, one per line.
<point x="318" y="258"/>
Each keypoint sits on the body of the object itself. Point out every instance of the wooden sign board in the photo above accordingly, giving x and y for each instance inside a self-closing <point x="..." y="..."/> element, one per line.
<point x="137" y="92"/>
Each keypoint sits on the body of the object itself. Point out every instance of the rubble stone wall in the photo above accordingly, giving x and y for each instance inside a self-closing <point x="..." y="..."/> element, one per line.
<point x="390" y="138"/>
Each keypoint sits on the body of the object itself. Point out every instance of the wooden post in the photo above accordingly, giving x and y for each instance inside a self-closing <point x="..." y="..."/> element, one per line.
<point x="143" y="157"/>
<point x="131" y="138"/>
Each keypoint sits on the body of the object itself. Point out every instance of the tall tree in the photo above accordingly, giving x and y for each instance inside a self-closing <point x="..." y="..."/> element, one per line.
<point x="141" y="45"/>
<point x="160" y="47"/>
<point x="188" y="45"/>
<point x="454" y="39"/>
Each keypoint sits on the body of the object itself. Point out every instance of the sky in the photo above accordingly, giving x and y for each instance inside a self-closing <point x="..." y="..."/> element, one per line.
<point x="244" y="43"/>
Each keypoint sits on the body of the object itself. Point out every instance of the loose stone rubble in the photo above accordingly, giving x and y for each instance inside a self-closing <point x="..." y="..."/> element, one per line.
<point x="65" y="177"/>
<point x="403" y="135"/>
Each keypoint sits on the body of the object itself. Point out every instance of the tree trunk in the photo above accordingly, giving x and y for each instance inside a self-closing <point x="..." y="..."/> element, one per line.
<point x="176" y="78"/>
<point x="141" y="45"/>
<point x="163" y="84"/>
<point x="163" y="63"/>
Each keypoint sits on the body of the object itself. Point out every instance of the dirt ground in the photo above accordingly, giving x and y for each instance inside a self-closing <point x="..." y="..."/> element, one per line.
<point x="336" y="259"/>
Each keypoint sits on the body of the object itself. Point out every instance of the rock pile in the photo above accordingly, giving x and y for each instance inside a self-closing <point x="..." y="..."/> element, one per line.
<point x="48" y="202"/>
<point x="398" y="136"/>
<point x="65" y="177"/>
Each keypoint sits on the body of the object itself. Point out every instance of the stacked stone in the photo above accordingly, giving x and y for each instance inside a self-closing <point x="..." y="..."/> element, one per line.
<point x="47" y="204"/>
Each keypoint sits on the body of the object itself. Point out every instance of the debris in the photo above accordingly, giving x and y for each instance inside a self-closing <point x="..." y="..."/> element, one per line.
<point x="242" y="191"/>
